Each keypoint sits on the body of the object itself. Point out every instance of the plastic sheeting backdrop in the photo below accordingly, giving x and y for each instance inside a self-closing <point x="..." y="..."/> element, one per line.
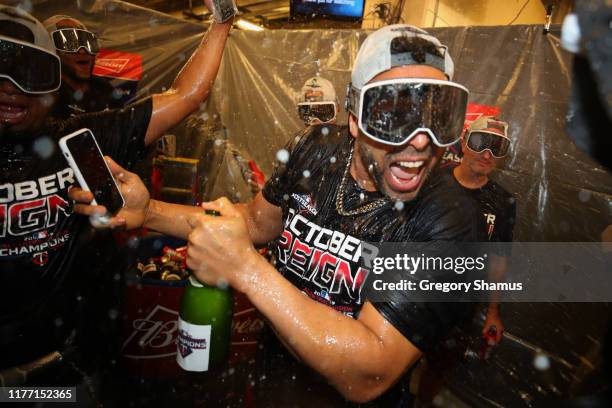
<point x="562" y="195"/>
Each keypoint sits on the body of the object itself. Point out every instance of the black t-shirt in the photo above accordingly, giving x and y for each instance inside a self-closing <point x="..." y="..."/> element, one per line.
<point x="39" y="233"/>
<point x="100" y="96"/>
<point x="497" y="210"/>
<point x="317" y="250"/>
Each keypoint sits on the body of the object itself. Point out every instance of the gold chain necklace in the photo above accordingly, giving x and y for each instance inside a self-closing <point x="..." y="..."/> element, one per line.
<point x="340" y="196"/>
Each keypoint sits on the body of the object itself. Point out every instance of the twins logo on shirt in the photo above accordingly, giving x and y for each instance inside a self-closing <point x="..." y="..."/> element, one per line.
<point x="29" y="211"/>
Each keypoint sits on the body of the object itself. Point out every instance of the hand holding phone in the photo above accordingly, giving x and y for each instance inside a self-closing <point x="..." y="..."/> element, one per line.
<point x="137" y="200"/>
<point x="91" y="170"/>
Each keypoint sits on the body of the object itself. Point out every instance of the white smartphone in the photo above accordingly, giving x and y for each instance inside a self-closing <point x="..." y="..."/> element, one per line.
<point x="91" y="170"/>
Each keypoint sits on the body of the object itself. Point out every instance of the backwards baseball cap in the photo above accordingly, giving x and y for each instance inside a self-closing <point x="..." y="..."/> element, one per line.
<point x="490" y="124"/>
<point x="27" y="54"/>
<point x="317" y="101"/>
<point x="393" y="111"/>
<point x="488" y="133"/>
<point x="317" y="89"/>
<point x="379" y="52"/>
<point x="51" y="24"/>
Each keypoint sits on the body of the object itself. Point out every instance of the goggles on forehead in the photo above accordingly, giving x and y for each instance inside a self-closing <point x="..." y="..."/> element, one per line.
<point x="73" y="39"/>
<point x="393" y="111"/>
<point x="323" y="111"/>
<point x="480" y="140"/>
<point x="31" y="68"/>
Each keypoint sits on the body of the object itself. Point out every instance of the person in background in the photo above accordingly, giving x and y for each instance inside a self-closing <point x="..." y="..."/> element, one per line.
<point x="81" y="91"/>
<point x="47" y="256"/>
<point x="484" y="144"/>
<point x="318" y="103"/>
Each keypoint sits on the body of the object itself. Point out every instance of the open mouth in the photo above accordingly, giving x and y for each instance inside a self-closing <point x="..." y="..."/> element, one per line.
<point x="406" y="175"/>
<point x="11" y="113"/>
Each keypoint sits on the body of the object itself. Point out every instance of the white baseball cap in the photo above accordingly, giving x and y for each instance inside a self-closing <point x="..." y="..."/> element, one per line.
<point x="317" y="89"/>
<point x="34" y="66"/>
<point x="33" y="31"/>
<point x="51" y="23"/>
<point x="376" y="54"/>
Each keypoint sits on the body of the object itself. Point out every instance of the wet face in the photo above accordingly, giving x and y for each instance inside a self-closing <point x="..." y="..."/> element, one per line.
<point x="21" y="112"/>
<point x="480" y="164"/>
<point x="399" y="172"/>
<point x="75" y="65"/>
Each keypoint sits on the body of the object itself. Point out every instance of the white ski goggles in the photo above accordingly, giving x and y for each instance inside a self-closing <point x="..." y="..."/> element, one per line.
<point x="393" y="111"/>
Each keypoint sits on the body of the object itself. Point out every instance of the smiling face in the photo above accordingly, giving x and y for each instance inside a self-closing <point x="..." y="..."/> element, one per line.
<point x="75" y="65"/>
<point x="399" y="172"/>
<point x="21" y="112"/>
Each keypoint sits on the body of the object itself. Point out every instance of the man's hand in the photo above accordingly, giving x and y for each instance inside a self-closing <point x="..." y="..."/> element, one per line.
<point x="493" y="319"/>
<point x="132" y="189"/>
<point x="220" y="249"/>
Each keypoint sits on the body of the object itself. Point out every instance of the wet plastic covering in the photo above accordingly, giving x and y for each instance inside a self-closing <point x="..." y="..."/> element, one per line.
<point x="523" y="72"/>
<point x="562" y="194"/>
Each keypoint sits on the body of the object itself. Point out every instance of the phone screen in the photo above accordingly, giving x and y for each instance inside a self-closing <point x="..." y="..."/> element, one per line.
<point x="92" y="166"/>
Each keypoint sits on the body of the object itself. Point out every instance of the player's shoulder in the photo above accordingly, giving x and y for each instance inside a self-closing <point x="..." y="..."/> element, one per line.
<point x="500" y="192"/>
<point x="326" y="134"/>
<point x="443" y="182"/>
<point x="321" y="140"/>
<point x="446" y="211"/>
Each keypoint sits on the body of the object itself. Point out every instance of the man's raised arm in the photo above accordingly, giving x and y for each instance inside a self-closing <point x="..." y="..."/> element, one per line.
<point x="192" y="85"/>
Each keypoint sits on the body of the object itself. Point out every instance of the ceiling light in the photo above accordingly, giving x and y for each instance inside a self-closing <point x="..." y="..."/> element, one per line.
<point x="247" y="25"/>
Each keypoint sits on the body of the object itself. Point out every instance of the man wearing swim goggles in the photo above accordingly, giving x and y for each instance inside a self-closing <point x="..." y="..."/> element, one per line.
<point x="484" y="144"/>
<point x="81" y="91"/>
<point x="318" y="103"/>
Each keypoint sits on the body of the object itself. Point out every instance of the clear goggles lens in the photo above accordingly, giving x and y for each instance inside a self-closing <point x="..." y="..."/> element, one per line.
<point x="73" y="39"/>
<point x="322" y="111"/>
<point x="392" y="112"/>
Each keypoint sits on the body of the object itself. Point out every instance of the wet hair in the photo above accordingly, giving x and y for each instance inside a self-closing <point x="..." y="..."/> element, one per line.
<point x="16" y="30"/>
<point x="416" y="46"/>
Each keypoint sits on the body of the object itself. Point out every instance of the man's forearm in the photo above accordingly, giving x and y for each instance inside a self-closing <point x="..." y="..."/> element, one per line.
<point x="171" y="219"/>
<point x="347" y="352"/>
<point x="263" y="219"/>
<point x="197" y="76"/>
<point x="192" y="85"/>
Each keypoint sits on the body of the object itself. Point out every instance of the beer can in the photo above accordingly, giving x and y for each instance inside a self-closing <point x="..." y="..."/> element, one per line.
<point x="151" y="271"/>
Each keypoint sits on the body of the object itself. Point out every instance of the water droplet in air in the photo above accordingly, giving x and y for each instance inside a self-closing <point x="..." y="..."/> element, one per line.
<point x="282" y="155"/>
